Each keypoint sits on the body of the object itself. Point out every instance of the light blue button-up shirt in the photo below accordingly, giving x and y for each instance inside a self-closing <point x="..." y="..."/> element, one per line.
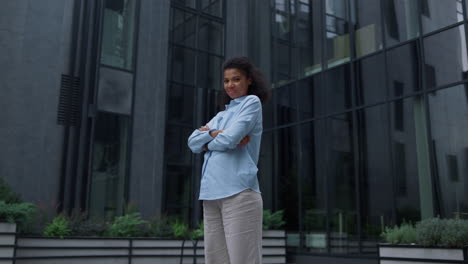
<point x="229" y="168"/>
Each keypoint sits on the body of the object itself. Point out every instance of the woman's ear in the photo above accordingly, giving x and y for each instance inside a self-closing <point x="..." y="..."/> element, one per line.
<point x="249" y="81"/>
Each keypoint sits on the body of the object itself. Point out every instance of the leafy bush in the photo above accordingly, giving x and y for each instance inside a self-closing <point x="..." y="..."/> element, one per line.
<point x="273" y="220"/>
<point x="198" y="233"/>
<point x="160" y="227"/>
<point x="429" y="231"/>
<point x="404" y="234"/>
<point x="19" y="213"/>
<point x="455" y="233"/>
<point x="180" y="229"/>
<point x="81" y="225"/>
<point x="129" y="225"/>
<point x="60" y="227"/>
<point x="7" y="195"/>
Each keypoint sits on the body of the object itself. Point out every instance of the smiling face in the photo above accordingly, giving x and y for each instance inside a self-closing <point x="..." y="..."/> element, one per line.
<point x="236" y="83"/>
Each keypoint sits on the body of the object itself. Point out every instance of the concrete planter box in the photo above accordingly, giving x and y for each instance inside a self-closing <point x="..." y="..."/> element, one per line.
<point x="97" y="250"/>
<point x="404" y="254"/>
<point x="7" y="242"/>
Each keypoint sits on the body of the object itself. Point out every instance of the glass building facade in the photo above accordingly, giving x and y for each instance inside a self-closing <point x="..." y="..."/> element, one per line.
<point x="366" y="126"/>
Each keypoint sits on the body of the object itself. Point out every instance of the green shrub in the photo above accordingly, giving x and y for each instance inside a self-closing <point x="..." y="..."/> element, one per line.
<point x="81" y="225"/>
<point x="272" y="220"/>
<point x="404" y="234"/>
<point x="198" y="232"/>
<point x="60" y="227"/>
<point x="129" y="225"/>
<point x="7" y="195"/>
<point x="19" y="213"/>
<point x="160" y="227"/>
<point x="180" y="229"/>
<point x="429" y="231"/>
<point x="455" y="233"/>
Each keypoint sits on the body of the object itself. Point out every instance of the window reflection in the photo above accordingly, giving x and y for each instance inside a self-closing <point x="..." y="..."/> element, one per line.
<point x="403" y="70"/>
<point x="449" y="127"/>
<point x="401" y="20"/>
<point x="445" y="53"/>
<point x="337" y="32"/>
<point x="341" y="184"/>
<point x="370" y="74"/>
<point x="375" y="174"/>
<point x="109" y="166"/>
<point x="212" y="7"/>
<point x="287" y="181"/>
<point x="338" y="87"/>
<point x="437" y="14"/>
<point x="308" y="37"/>
<point x="183" y="28"/>
<point x="310" y="98"/>
<point x="286" y="109"/>
<point x="313" y="186"/>
<point x="118" y="33"/>
<point x="368" y="27"/>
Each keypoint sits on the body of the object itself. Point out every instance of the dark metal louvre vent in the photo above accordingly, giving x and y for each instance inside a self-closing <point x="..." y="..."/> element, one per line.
<point x="69" y="107"/>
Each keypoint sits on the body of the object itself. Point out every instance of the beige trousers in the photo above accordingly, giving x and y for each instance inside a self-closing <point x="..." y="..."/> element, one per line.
<point x="233" y="229"/>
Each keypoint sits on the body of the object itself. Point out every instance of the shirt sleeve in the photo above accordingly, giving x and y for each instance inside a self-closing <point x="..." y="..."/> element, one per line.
<point x="199" y="138"/>
<point x="242" y="125"/>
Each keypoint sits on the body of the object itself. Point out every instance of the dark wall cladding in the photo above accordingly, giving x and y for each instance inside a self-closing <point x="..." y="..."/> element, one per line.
<point x="34" y="56"/>
<point x="365" y="148"/>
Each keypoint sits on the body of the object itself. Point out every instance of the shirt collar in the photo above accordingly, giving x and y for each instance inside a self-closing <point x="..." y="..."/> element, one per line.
<point x="236" y="101"/>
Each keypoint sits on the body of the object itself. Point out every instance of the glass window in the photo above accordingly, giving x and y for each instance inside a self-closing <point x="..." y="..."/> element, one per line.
<point x="181" y="104"/>
<point x="403" y="70"/>
<point x="412" y="178"/>
<point x="266" y="169"/>
<point x="109" y="166"/>
<point x="115" y="91"/>
<point x="338" y="87"/>
<point x="178" y="191"/>
<point x="282" y="23"/>
<point x="376" y="193"/>
<point x="313" y="186"/>
<point x="341" y="184"/>
<point x="183" y="65"/>
<point x="177" y="151"/>
<point x="337" y="32"/>
<point x="188" y="3"/>
<point x="209" y="72"/>
<point x="268" y="112"/>
<point x="183" y="28"/>
<point x="449" y="127"/>
<point x="310" y="95"/>
<point x="445" y="57"/>
<point x="437" y="14"/>
<point x="118" y="33"/>
<point x="285" y="102"/>
<point x="282" y="62"/>
<point x="287" y="182"/>
<point x="212" y="7"/>
<point x="308" y="37"/>
<point x="368" y="27"/>
<point x="401" y="20"/>
<point x="210" y="36"/>
<point x="370" y="85"/>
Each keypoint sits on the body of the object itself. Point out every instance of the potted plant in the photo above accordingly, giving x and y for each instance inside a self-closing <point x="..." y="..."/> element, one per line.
<point x="432" y="240"/>
<point x="274" y="238"/>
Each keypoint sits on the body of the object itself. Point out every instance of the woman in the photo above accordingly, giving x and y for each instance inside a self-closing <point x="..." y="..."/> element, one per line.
<point x="232" y="204"/>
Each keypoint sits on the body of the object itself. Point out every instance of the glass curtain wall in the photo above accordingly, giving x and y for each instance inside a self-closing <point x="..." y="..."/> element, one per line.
<point x="374" y="134"/>
<point x="112" y="123"/>
<point x="196" y="54"/>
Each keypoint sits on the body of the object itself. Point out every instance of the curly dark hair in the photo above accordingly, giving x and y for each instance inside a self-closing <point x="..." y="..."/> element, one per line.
<point x="259" y="87"/>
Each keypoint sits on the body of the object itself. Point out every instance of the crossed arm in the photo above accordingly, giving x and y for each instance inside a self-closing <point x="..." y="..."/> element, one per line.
<point x="209" y="138"/>
<point x="214" y="133"/>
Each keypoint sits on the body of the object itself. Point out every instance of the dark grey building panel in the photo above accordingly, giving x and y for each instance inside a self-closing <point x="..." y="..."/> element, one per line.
<point x="34" y="46"/>
<point x="149" y="111"/>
